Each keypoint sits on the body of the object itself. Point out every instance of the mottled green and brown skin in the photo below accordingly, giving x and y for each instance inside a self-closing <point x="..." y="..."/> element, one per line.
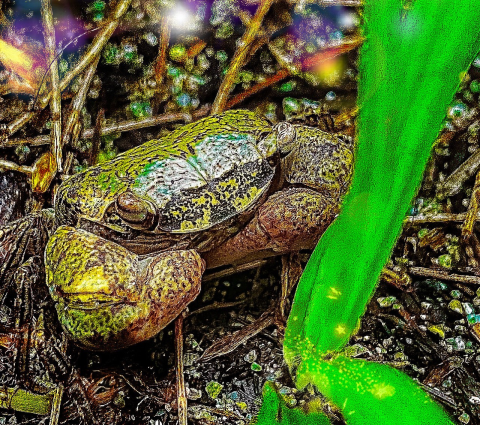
<point x="134" y="234"/>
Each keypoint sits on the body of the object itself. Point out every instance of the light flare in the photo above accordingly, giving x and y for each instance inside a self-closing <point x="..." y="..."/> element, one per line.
<point x="180" y="17"/>
<point x="330" y="71"/>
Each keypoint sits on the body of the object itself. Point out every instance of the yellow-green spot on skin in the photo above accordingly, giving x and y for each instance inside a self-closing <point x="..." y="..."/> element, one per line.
<point x="241" y="202"/>
<point x="187" y="225"/>
<point x="230" y="183"/>
<point x="203" y="222"/>
<point x="200" y="201"/>
<point x="213" y="199"/>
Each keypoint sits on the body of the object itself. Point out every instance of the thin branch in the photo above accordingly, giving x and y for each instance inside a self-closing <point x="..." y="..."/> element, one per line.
<point x="239" y="98"/>
<point x="290" y="69"/>
<point x="231" y="342"/>
<point x="455" y="181"/>
<point x="472" y="212"/>
<point x="214" y="306"/>
<point x="440" y="274"/>
<point x="97" y="137"/>
<point x="434" y="218"/>
<point x="8" y="165"/>
<point x="233" y="270"/>
<point x="77" y="105"/>
<point x="56" y="99"/>
<point x="95" y="48"/>
<point x="161" y="62"/>
<point x="18" y="123"/>
<point x="239" y="57"/>
<point x="181" y="395"/>
<point x="117" y="127"/>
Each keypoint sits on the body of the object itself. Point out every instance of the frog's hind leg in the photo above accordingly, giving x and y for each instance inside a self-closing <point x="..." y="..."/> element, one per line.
<point x="289" y="220"/>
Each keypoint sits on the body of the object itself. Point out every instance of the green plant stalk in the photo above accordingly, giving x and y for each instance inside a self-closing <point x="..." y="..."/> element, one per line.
<point x="410" y="66"/>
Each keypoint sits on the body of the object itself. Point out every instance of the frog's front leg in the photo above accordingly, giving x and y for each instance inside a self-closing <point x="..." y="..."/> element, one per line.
<point x="289" y="220"/>
<point x="108" y="298"/>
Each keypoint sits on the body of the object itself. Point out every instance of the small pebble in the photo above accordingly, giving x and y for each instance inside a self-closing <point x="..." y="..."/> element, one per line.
<point x="386" y="301"/>
<point x="194" y="394"/>
<point x="213" y="389"/>
<point x="464" y="418"/>
<point x="438" y="330"/>
<point x="456" y="306"/>
<point x="474" y="400"/>
<point x="468" y="308"/>
<point x="251" y="356"/>
<point x="457" y="343"/>
<point x="455" y="293"/>
<point x="256" y="367"/>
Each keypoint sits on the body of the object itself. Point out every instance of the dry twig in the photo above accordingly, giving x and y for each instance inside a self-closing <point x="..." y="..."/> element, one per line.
<point x="239" y="57"/>
<point x="119" y="127"/>
<point x="95" y="48"/>
<point x="400" y="280"/>
<point x="289" y="69"/>
<point x="455" y="181"/>
<point x="472" y="212"/>
<point x="8" y="165"/>
<point x="181" y="395"/>
<point x="231" y="342"/>
<point x="440" y="274"/>
<point x="434" y="218"/>
<point x="161" y="61"/>
<point x="97" y="137"/>
<point x="56" y="99"/>
<point x="72" y="127"/>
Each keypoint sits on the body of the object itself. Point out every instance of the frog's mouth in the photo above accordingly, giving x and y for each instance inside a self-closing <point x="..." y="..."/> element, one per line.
<point x="91" y="300"/>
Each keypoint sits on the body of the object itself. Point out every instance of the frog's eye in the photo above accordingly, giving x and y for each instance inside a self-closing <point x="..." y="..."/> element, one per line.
<point x="285" y="136"/>
<point x="138" y="213"/>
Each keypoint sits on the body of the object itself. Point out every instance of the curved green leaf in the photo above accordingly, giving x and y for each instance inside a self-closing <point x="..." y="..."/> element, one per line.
<point x="373" y="393"/>
<point x="410" y="66"/>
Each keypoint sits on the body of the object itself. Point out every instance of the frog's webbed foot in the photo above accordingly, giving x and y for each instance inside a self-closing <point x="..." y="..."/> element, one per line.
<point x="289" y="220"/>
<point x="108" y="298"/>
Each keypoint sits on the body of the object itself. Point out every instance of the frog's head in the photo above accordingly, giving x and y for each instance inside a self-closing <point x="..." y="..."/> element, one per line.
<point x="108" y="298"/>
<point x="311" y="157"/>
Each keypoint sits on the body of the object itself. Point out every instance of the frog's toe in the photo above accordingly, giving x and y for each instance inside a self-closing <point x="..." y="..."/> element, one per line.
<point x="108" y="298"/>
